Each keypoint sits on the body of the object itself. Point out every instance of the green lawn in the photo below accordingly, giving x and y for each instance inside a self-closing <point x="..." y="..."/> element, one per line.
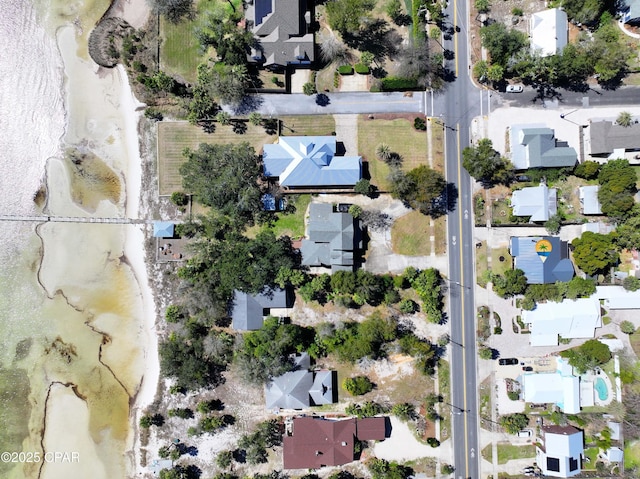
<point x="401" y="137"/>
<point x="497" y="266"/>
<point x="410" y="235"/>
<point x="506" y="452"/>
<point x="487" y="452"/>
<point x="308" y="125"/>
<point x="481" y="264"/>
<point x="293" y="225"/>
<point x="632" y="454"/>
<point x="591" y="453"/>
<point x="180" y="51"/>
<point x="444" y="389"/>
<point x="175" y="136"/>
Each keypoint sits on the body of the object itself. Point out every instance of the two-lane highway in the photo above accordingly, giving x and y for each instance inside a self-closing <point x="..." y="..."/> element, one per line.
<point x="461" y="104"/>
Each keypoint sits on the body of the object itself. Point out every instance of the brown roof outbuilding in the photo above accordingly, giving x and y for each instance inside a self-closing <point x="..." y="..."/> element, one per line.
<point x="371" y="429"/>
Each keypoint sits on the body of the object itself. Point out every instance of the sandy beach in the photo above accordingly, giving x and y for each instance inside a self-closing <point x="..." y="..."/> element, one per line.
<point x="102" y="118"/>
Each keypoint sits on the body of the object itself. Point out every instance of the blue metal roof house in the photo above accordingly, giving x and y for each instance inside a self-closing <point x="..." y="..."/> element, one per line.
<point x="543" y="259"/>
<point x="310" y="162"/>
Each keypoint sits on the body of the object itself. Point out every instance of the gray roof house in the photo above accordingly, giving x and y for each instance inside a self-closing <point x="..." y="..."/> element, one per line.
<point x="560" y="450"/>
<point x="589" y="200"/>
<point x="543" y="259"/>
<point x="310" y="162"/>
<point x="333" y="238"/>
<point x="282" y="28"/>
<point x="606" y="136"/>
<point x="249" y="310"/>
<point x="538" y="202"/>
<point x="301" y="388"/>
<point x="537" y="147"/>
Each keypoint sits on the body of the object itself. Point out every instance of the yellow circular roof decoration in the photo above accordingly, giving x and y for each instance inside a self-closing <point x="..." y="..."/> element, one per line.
<point x="543" y="246"/>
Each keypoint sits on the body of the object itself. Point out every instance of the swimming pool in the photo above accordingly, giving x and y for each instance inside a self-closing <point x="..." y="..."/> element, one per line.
<point x="601" y="387"/>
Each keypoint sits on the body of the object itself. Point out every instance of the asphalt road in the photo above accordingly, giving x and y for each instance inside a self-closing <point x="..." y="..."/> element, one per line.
<point x="456" y="108"/>
<point x="594" y="97"/>
<point x="271" y="105"/>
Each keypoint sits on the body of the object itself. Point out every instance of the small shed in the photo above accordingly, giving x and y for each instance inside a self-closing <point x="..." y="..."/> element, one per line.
<point x="163" y="229"/>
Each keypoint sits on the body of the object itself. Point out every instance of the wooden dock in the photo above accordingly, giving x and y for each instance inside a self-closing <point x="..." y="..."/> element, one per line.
<point x="73" y="219"/>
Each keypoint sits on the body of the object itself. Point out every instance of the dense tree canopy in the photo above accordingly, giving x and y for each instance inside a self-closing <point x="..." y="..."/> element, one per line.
<point x="617" y="186"/>
<point x="264" y="354"/>
<point x="428" y="287"/>
<point x="421" y="188"/>
<point x="512" y="423"/>
<point x="502" y="43"/>
<point x="486" y="165"/>
<point x="221" y="32"/>
<point x="224" y="177"/>
<point x="627" y="234"/>
<point x="172" y="10"/>
<point x="587" y="356"/>
<point x="348" y="16"/>
<point x="594" y="253"/>
<point x="513" y="282"/>
<point x="587" y="12"/>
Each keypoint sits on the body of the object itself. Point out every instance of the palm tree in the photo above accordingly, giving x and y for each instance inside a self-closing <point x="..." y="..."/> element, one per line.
<point x="624" y="119"/>
<point x="383" y="152"/>
<point x="223" y="118"/>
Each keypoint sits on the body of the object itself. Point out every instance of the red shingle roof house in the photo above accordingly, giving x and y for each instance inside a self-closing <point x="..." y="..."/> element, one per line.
<point x="316" y="442"/>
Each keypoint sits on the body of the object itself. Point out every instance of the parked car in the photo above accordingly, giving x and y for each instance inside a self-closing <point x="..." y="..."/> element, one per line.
<point x="525" y="433"/>
<point x="527" y="368"/>
<point x="515" y="88"/>
<point x="507" y="361"/>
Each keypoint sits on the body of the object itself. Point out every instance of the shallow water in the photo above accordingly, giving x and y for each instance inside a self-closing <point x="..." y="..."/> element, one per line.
<point x="71" y="314"/>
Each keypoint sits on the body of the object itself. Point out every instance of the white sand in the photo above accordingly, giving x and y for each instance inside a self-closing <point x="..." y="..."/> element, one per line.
<point x="103" y="116"/>
<point x="403" y="446"/>
<point x="66" y="413"/>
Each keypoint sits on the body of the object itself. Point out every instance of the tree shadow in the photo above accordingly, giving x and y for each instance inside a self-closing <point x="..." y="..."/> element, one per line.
<point x="445" y="202"/>
<point x="376" y="38"/>
<point x="322" y="99"/>
<point x="249" y="103"/>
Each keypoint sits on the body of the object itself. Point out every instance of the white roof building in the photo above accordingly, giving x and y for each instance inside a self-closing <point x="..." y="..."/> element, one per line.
<point x="561" y="388"/>
<point x="616" y="297"/>
<point x="559" y="454"/>
<point x="589" y="200"/>
<point x="570" y="319"/>
<point x="549" y="32"/>
<point x="538" y="202"/>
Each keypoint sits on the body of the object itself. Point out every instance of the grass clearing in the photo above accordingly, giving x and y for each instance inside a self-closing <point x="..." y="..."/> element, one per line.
<point x="410" y="235"/>
<point x="401" y="137"/>
<point x="487" y="452"/>
<point x="481" y="264"/>
<point x="440" y="234"/>
<point x="175" y="136"/>
<point x="632" y="454"/>
<point x="180" y="51"/>
<point x="437" y="144"/>
<point x="291" y="225"/>
<point x="507" y="452"/>
<point x="497" y="266"/>
<point x="308" y="125"/>
<point x="444" y="389"/>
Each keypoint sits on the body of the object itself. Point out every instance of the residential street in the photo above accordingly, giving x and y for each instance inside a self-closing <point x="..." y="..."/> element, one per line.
<point x="272" y="105"/>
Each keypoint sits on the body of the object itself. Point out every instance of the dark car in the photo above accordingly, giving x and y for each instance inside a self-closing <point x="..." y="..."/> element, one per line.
<point x="508" y="361"/>
<point x="527" y="368"/>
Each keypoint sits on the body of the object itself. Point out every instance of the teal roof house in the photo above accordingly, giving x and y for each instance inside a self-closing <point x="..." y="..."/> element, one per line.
<point x="310" y="162"/>
<point x="537" y="147"/>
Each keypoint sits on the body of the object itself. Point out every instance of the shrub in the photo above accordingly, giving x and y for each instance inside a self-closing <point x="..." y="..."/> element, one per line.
<point x="149" y="420"/>
<point x="419" y="124"/>
<point x="391" y="297"/>
<point x="355" y="210"/>
<point x="224" y="459"/>
<point x="513" y="395"/>
<point x="345" y="70"/>
<point x="174" y="313"/>
<point x="433" y="442"/>
<point x="183" y="413"/>
<point x="408" y="306"/>
<point x="364" y="187"/>
<point x="398" y="84"/>
<point x="631" y="283"/>
<point x="403" y="411"/>
<point x="482" y="6"/>
<point x="517" y="11"/>
<point x="179" y="198"/>
<point x="309" y="89"/>
<point x="358" y="385"/>
<point x="627" y="327"/>
<point x="361" y="69"/>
